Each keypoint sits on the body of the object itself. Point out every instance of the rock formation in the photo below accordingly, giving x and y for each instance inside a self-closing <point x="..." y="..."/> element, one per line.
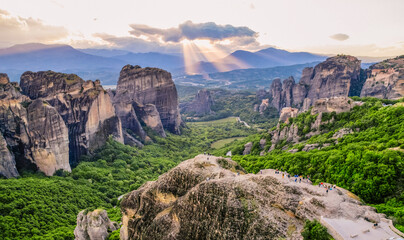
<point x="287" y="113"/>
<point x="85" y="107"/>
<point x="385" y="79"/>
<point x="200" y="105"/>
<point x="49" y="137"/>
<point x="338" y="76"/>
<point x="33" y="134"/>
<point x="140" y="88"/>
<point x="215" y="199"/>
<point x="290" y="132"/>
<point x="8" y="167"/>
<point x="93" y="225"/>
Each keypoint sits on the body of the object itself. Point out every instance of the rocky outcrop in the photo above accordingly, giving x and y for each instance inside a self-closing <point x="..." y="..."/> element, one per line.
<point x="138" y="87"/>
<point x="200" y="105"/>
<point x="49" y="137"/>
<point x="94" y="225"/>
<point x="288" y="133"/>
<point x="215" y="199"/>
<point x="338" y="76"/>
<point x="85" y="107"/>
<point x="16" y="149"/>
<point x="247" y="148"/>
<point x="287" y="113"/>
<point x="34" y="134"/>
<point x="8" y="167"/>
<point x="151" y="118"/>
<point x="385" y="79"/>
<point x="335" y="104"/>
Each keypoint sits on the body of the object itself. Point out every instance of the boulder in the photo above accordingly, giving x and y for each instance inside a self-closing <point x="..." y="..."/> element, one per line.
<point x="94" y="225"/>
<point x="247" y="148"/>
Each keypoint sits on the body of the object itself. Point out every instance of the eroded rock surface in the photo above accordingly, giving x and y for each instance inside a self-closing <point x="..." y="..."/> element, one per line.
<point x="385" y="80"/>
<point x="200" y="105"/>
<point x="85" y="107"/>
<point x="215" y="199"/>
<point x="338" y="76"/>
<point x="142" y="86"/>
<point x="93" y="225"/>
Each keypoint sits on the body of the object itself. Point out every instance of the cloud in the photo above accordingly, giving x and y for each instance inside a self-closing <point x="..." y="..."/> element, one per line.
<point x="16" y="30"/>
<point x="137" y="44"/>
<point x="191" y="31"/>
<point x="340" y="37"/>
<point x="149" y="39"/>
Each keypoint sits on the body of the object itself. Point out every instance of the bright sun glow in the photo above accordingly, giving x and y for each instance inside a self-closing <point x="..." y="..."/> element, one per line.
<point x="196" y="51"/>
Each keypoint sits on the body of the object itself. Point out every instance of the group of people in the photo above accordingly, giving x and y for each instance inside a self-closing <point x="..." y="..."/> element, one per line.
<point x="297" y="178"/>
<point x="300" y="178"/>
<point x="327" y="187"/>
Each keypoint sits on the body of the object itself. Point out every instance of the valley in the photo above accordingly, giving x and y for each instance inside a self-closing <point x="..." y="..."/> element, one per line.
<point x="151" y="159"/>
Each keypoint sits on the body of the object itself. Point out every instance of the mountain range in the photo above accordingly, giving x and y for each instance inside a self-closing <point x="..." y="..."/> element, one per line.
<point x="105" y="64"/>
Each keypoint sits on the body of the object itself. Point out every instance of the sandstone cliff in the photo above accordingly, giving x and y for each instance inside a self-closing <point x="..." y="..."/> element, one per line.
<point x="138" y="87"/>
<point x="200" y="105"/>
<point x="385" y="79"/>
<point x="49" y="138"/>
<point x="93" y="225"/>
<point x="215" y="199"/>
<point x="85" y="107"/>
<point x="338" y="76"/>
<point x="291" y="133"/>
<point x="34" y="134"/>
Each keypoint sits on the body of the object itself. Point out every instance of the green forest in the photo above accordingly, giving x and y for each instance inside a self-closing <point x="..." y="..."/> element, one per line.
<point x="369" y="162"/>
<point x="228" y="103"/>
<point x="38" y="207"/>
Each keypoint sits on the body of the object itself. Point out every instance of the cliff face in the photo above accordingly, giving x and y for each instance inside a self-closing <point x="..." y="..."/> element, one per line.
<point x="290" y="133"/>
<point x="338" y="76"/>
<point x="201" y="104"/>
<point x="213" y="198"/>
<point x="139" y="88"/>
<point x="84" y="106"/>
<point x="385" y="80"/>
<point x="33" y="134"/>
<point x="49" y="137"/>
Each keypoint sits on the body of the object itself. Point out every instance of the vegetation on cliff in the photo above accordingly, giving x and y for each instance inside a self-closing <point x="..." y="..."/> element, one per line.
<point x="369" y="162"/>
<point x="39" y="207"/>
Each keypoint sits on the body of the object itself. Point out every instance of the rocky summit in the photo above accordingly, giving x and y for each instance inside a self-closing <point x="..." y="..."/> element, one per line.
<point x="147" y="96"/>
<point x="201" y="104"/>
<point x="54" y="118"/>
<point x="33" y="134"/>
<point x="385" y="79"/>
<point x="213" y="198"/>
<point x="85" y="107"/>
<point x="338" y="76"/>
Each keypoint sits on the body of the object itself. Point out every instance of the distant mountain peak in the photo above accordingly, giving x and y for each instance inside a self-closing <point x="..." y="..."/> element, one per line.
<point x="30" y="47"/>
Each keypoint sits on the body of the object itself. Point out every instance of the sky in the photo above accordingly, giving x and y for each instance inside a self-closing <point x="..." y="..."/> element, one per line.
<point x="372" y="28"/>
